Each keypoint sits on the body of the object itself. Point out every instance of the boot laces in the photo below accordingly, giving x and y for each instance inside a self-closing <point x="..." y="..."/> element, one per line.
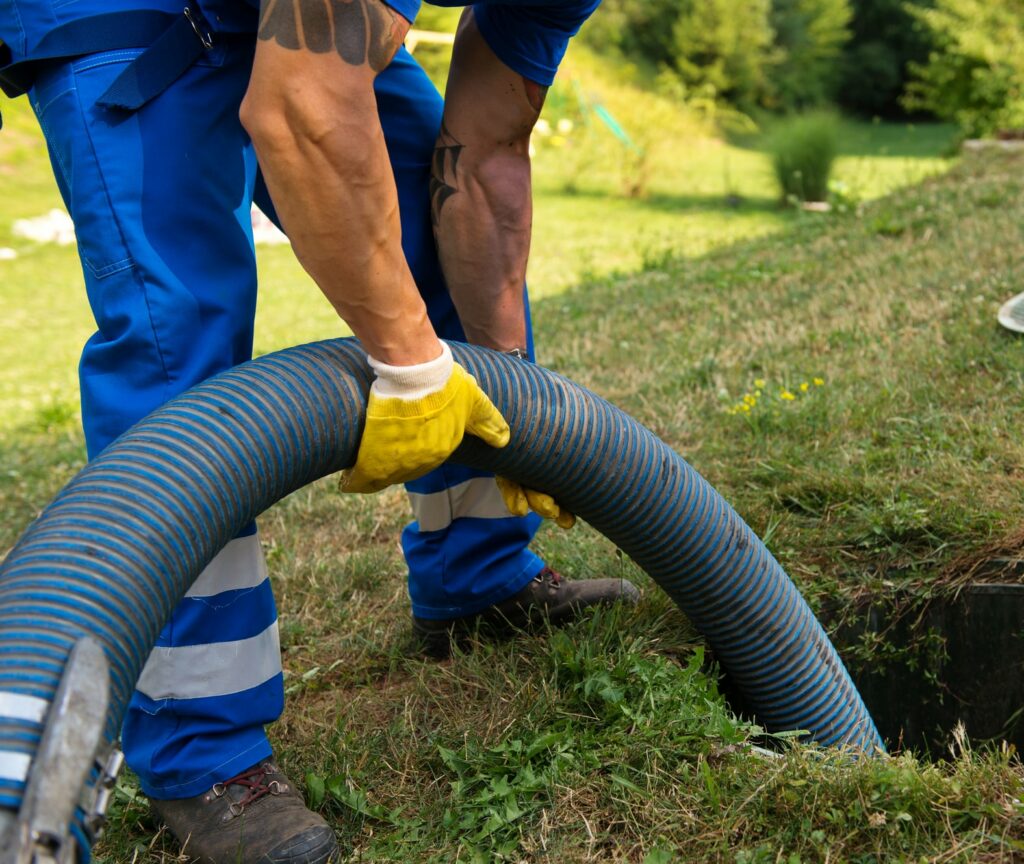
<point x="550" y="576"/>
<point x="254" y="782"/>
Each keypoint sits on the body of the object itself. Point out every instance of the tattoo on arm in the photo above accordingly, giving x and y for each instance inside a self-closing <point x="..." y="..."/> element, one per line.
<point x="443" y="172"/>
<point x="360" y="31"/>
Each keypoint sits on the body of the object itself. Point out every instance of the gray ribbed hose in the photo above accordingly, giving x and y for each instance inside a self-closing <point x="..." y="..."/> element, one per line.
<point x="119" y="547"/>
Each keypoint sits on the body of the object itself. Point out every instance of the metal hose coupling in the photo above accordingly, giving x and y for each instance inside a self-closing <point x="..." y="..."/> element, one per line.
<point x="73" y="768"/>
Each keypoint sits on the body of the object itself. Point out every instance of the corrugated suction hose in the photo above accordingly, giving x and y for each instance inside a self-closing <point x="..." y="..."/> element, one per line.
<point x="118" y="548"/>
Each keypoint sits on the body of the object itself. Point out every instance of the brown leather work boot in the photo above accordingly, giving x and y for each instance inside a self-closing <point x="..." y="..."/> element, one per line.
<point x="549" y="597"/>
<point x="257" y="817"/>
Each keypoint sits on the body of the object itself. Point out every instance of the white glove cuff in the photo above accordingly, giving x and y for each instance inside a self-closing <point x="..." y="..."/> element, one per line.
<point x="412" y="382"/>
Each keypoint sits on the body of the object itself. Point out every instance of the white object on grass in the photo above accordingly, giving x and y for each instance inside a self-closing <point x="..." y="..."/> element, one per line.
<point x="54" y="227"/>
<point x="57" y="227"/>
<point x="1011" y="315"/>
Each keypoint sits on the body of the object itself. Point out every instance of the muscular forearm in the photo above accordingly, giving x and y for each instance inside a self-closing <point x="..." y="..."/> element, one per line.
<point x="480" y="189"/>
<point x="481" y="205"/>
<point x="335" y="194"/>
<point x="313" y="119"/>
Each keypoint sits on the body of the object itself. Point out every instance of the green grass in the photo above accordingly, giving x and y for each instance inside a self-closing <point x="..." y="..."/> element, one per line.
<point x="699" y="192"/>
<point x="607" y="741"/>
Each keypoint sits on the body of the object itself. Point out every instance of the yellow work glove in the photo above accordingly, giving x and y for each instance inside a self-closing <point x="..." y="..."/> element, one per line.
<point x="521" y="501"/>
<point x="415" y="417"/>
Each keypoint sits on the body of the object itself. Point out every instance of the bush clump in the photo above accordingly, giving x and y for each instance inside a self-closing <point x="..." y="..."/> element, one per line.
<point x="974" y="76"/>
<point x="803" y="150"/>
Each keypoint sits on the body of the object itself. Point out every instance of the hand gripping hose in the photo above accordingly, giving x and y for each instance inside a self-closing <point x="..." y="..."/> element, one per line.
<point x="118" y="548"/>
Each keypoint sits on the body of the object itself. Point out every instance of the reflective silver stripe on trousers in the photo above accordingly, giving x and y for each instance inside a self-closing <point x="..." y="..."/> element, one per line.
<point x="14" y="766"/>
<point x="215" y="669"/>
<point x="18" y="706"/>
<point x="478" y="498"/>
<point x="238" y="565"/>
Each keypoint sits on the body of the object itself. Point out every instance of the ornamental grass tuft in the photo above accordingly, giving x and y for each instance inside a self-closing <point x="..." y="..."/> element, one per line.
<point x="803" y="150"/>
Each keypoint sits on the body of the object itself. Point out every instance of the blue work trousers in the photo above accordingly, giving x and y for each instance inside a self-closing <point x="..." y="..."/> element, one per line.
<point x="161" y="203"/>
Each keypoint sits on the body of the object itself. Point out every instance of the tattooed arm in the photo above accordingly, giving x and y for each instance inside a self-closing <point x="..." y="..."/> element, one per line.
<point x="311" y="112"/>
<point x="481" y="191"/>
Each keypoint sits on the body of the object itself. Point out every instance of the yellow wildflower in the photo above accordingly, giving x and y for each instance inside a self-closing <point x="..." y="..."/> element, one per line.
<point x="759" y="382"/>
<point x="785" y="394"/>
<point x="819" y="382"/>
<point x="804" y="387"/>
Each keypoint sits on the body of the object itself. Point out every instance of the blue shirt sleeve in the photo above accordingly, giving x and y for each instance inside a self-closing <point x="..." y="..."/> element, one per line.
<point x="406" y="8"/>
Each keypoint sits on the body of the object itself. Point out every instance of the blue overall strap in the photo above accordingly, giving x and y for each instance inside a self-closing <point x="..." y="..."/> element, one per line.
<point x="161" y="64"/>
<point x="80" y="36"/>
<point x="172" y="43"/>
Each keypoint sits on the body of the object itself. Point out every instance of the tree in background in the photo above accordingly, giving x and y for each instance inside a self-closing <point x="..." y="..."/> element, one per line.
<point x="809" y="40"/>
<point x="639" y="30"/>
<point x="781" y="54"/>
<point x="974" y="74"/>
<point x="727" y="44"/>
<point x="874" y="67"/>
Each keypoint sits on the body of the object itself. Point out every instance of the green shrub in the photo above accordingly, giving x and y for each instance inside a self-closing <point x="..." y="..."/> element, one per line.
<point x="974" y="75"/>
<point x="803" y="150"/>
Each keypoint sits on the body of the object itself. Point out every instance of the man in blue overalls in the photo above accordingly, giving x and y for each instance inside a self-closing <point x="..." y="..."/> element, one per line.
<point x="139" y="102"/>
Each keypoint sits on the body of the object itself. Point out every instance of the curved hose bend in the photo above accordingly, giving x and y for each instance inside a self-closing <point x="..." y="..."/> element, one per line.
<point x="118" y="548"/>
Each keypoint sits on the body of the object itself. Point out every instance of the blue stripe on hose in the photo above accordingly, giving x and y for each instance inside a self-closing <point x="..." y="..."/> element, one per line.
<point x="185" y="459"/>
<point x="245" y="466"/>
<point x="29" y="738"/>
<point x="151" y="486"/>
<point x="112" y="546"/>
<point x="91" y="593"/>
<point x="82" y="839"/>
<point x="53" y="563"/>
<point x="741" y="633"/>
<point x="29" y="684"/>
<point x="131" y="520"/>
<point x="196" y="424"/>
<point x="67" y="620"/>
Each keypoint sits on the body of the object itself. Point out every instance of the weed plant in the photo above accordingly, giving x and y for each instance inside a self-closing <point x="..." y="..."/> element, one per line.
<point x="803" y="151"/>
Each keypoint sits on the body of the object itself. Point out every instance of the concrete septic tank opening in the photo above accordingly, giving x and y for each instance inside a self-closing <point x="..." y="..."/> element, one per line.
<point x="954" y="659"/>
<point x="923" y="665"/>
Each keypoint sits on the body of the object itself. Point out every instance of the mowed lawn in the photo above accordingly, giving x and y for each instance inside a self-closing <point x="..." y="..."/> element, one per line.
<point x="840" y="379"/>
